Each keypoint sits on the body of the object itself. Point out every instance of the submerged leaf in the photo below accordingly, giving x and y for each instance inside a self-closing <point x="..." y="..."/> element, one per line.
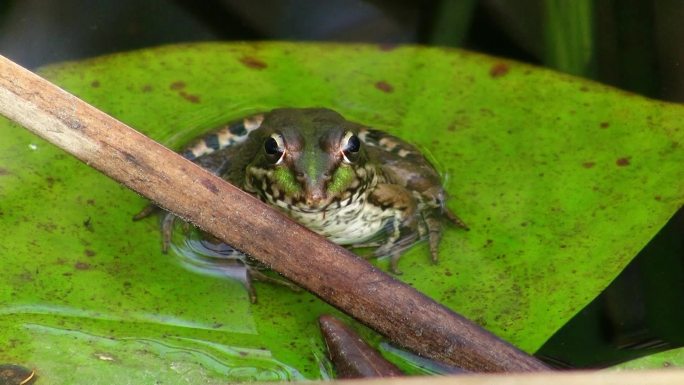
<point x="562" y="182"/>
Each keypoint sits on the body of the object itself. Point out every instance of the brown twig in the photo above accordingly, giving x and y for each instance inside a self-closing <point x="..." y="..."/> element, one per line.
<point x="394" y="309"/>
<point x="351" y="356"/>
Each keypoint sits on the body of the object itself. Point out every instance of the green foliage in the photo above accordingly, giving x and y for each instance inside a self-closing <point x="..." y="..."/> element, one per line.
<point x="562" y="182"/>
<point x="569" y="36"/>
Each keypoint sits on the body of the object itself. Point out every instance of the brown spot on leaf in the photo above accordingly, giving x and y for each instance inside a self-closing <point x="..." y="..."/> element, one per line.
<point x="622" y="162"/>
<point x="387" y="47"/>
<point x="48" y="227"/>
<point x="498" y="70"/>
<point x="147" y="88"/>
<point x="605" y="124"/>
<point x="95" y="84"/>
<point x="588" y="164"/>
<point x="4" y="171"/>
<point x="189" y="97"/>
<point x="658" y="198"/>
<point x="88" y="224"/>
<point x="82" y="266"/>
<point x="252" y="62"/>
<point x="89" y="253"/>
<point x="584" y="88"/>
<point x="486" y="112"/>
<point x="384" y="86"/>
<point x="177" y="85"/>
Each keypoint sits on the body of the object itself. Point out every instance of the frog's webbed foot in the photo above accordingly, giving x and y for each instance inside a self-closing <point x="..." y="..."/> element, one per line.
<point x="254" y="274"/>
<point x="395" y="247"/>
<point x="219" y="256"/>
<point x="249" y="270"/>
<point x="433" y="224"/>
<point x="168" y="220"/>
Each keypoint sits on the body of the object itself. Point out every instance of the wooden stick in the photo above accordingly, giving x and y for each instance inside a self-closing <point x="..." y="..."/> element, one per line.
<point x="405" y="316"/>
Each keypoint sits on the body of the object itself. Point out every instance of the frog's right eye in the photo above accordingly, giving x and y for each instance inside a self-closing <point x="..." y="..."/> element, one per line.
<point x="350" y="147"/>
<point x="275" y="148"/>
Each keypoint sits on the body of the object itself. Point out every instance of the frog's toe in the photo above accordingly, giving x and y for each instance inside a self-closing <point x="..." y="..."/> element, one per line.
<point x="395" y="249"/>
<point x="146" y="212"/>
<point x="434" y="235"/>
<point x="253" y="274"/>
<point x="394" y="264"/>
<point x="167" y="223"/>
<point x="453" y="218"/>
<point x="249" y="287"/>
<point x="434" y="238"/>
<point x="385" y="250"/>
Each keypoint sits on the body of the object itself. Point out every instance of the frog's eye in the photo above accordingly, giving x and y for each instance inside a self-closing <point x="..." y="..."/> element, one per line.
<point x="275" y="148"/>
<point x="350" y="147"/>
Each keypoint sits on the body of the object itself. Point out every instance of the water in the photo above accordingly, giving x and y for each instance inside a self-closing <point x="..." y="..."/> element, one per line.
<point x="640" y="313"/>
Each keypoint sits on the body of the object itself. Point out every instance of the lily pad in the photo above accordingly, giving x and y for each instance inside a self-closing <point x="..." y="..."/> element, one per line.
<point x="561" y="180"/>
<point x="666" y="359"/>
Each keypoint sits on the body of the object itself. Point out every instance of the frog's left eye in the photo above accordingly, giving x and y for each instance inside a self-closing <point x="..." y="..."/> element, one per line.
<point x="350" y="147"/>
<point x="274" y="148"/>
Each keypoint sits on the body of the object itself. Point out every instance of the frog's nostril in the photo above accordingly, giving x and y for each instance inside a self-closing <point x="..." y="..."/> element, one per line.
<point x="314" y="196"/>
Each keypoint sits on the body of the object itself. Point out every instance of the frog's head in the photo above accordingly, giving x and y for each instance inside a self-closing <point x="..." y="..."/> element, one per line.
<point x="307" y="157"/>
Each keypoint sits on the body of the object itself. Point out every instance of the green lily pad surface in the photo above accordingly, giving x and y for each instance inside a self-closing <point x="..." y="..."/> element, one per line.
<point x="561" y="180"/>
<point x="666" y="359"/>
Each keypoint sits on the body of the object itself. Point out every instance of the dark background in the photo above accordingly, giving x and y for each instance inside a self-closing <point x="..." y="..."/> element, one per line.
<point x="635" y="45"/>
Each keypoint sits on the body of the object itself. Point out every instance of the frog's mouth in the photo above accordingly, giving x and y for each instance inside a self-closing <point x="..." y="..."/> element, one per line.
<point x="314" y="195"/>
<point x="306" y="199"/>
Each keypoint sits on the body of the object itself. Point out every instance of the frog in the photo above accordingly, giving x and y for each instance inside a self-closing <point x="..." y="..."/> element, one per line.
<point x="353" y="184"/>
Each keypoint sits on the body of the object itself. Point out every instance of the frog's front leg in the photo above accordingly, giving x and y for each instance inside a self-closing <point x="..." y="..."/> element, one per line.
<point x="167" y="222"/>
<point x="404" y="229"/>
<point x="216" y="163"/>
